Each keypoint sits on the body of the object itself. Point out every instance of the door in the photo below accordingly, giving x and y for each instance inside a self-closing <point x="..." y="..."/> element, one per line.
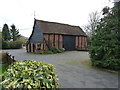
<point x="34" y="47"/>
<point x="69" y="42"/>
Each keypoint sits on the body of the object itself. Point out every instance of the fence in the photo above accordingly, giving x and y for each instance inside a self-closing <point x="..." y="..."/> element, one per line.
<point x="10" y="59"/>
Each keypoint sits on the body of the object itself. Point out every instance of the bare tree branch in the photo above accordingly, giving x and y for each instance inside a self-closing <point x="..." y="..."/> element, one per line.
<point x="94" y="18"/>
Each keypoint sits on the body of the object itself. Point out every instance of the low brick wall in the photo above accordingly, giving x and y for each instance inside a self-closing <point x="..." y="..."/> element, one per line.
<point x="6" y="58"/>
<point x="10" y="59"/>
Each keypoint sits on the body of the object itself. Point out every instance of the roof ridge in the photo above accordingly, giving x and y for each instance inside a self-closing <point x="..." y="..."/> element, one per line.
<point x="55" y="27"/>
<point x="57" y="23"/>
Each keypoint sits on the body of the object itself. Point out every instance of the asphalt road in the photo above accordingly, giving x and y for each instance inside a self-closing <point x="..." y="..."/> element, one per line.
<point x="73" y="68"/>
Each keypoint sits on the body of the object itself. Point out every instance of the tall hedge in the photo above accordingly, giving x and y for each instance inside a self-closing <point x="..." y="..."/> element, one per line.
<point x="105" y="43"/>
<point x="11" y="44"/>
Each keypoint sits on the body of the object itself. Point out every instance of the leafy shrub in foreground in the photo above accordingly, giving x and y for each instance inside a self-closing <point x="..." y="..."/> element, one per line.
<point x="30" y="74"/>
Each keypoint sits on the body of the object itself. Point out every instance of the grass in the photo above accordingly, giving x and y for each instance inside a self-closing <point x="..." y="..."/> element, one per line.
<point x="3" y="62"/>
<point x="3" y="68"/>
<point x="89" y="64"/>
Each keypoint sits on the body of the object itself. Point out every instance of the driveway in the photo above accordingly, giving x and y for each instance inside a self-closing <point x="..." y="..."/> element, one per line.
<point x="73" y="68"/>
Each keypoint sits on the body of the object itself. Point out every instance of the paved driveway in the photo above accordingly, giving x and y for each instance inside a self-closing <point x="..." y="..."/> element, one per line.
<point x="73" y="68"/>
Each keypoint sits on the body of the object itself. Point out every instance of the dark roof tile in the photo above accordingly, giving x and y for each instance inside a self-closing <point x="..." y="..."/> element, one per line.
<point x="58" y="28"/>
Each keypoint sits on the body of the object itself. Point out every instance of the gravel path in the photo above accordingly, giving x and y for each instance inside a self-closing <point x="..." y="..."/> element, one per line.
<point x="73" y="69"/>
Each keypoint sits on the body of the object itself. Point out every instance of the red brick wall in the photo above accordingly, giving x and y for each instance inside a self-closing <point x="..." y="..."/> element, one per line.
<point x="86" y="43"/>
<point x="53" y="40"/>
<point x="81" y="42"/>
<point x="60" y="42"/>
<point x="46" y="38"/>
<point x="77" y="41"/>
<point x="56" y="41"/>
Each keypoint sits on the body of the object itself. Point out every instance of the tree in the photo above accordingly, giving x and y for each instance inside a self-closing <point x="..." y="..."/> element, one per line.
<point x="14" y="33"/>
<point x="105" y="44"/>
<point x="23" y="40"/>
<point x="94" y="18"/>
<point x="6" y="33"/>
<point x="106" y="10"/>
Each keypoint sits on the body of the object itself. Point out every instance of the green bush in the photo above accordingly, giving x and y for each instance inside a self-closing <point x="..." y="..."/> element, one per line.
<point x="105" y="43"/>
<point x="30" y="74"/>
<point x="5" y="45"/>
<point x="15" y="45"/>
<point x="56" y="50"/>
<point x="11" y="45"/>
<point x="105" y="52"/>
<point x="48" y="52"/>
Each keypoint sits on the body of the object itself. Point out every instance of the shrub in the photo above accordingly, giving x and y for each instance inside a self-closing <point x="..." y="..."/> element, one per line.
<point x="56" y="50"/>
<point x="15" y="45"/>
<point x="105" y="51"/>
<point x="5" y="45"/>
<point x="48" y="52"/>
<point x="11" y="44"/>
<point x="105" y="43"/>
<point x="30" y="74"/>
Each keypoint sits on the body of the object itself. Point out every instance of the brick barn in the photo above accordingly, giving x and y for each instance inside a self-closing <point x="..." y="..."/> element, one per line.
<point x="46" y="35"/>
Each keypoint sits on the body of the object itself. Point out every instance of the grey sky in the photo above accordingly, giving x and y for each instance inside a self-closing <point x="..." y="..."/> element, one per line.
<point x="116" y="0"/>
<point x="73" y="12"/>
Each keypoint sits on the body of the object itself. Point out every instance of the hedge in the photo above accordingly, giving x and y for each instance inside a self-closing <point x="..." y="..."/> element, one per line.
<point x="11" y="45"/>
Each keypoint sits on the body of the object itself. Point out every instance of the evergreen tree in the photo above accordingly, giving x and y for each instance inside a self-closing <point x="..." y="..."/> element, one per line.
<point x="105" y="44"/>
<point x="6" y="33"/>
<point x="14" y="33"/>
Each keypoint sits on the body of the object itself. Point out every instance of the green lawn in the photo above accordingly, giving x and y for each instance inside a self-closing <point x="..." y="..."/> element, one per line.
<point x="3" y="68"/>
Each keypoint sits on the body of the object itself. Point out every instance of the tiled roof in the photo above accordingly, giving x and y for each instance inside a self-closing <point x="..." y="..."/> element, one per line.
<point x="59" y="28"/>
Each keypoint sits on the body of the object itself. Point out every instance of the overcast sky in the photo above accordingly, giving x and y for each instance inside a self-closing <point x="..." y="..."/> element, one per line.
<point x="73" y="12"/>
